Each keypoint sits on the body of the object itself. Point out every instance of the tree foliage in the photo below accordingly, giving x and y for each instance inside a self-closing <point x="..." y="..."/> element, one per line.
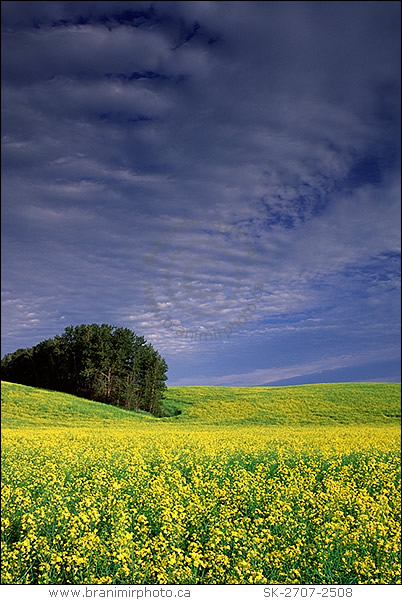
<point x="101" y="362"/>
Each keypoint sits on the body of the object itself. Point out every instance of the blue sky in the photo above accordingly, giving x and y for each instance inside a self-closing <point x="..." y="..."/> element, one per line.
<point x="221" y="177"/>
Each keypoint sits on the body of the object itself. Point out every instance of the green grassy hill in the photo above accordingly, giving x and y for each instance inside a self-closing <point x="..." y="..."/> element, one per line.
<point x="319" y="404"/>
<point x="28" y="406"/>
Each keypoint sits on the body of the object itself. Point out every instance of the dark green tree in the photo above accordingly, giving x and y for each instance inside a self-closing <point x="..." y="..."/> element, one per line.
<point x="100" y="362"/>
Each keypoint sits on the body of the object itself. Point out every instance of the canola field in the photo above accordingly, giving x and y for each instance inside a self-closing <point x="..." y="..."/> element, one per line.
<point x="295" y="485"/>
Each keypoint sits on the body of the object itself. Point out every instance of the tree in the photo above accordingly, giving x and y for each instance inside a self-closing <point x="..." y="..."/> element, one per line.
<point x="149" y="378"/>
<point x="100" y="362"/>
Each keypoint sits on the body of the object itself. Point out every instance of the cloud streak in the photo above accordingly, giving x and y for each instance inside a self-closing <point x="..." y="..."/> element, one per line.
<point x="276" y="120"/>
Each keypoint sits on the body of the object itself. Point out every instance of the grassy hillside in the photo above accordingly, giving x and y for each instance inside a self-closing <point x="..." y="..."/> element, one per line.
<point x="28" y="406"/>
<point x="320" y="404"/>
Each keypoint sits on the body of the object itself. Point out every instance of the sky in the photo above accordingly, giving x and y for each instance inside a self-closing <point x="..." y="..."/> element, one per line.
<point x="221" y="177"/>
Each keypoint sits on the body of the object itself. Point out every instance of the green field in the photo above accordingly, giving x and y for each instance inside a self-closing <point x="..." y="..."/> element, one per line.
<point x="240" y="485"/>
<point x="324" y="404"/>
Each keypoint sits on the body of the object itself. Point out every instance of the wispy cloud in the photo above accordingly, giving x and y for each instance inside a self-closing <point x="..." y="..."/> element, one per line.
<point x="268" y="129"/>
<point x="267" y="376"/>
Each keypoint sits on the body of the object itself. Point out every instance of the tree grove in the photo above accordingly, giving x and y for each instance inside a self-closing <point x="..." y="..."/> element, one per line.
<point x="100" y="362"/>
